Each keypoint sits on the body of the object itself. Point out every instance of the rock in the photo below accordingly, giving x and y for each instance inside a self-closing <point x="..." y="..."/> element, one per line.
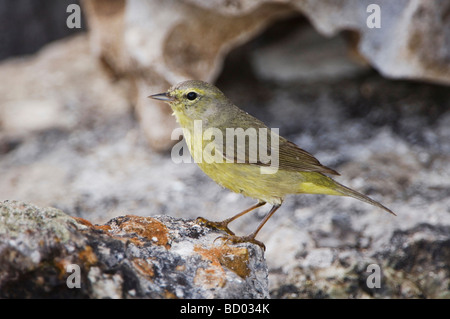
<point x="24" y="116"/>
<point x="45" y="98"/>
<point x="397" y="48"/>
<point x="401" y="47"/>
<point x="43" y="250"/>
<point x="304" y="57"/>
<point x="415" y="264"/>
<point x="47" y="92"/>
<point x="159" y="45"/>
<point x="166" y="49"/>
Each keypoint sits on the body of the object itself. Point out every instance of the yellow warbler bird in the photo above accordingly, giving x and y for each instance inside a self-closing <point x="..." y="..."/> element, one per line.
<point x="253" y="160"/>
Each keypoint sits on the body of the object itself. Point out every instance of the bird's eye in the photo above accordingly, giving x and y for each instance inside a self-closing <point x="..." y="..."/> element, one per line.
<point x="191" y="96"/>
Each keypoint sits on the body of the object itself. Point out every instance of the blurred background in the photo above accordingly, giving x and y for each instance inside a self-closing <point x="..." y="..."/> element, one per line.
<point x="77" y="131"/>
<point x="26" y="26"/>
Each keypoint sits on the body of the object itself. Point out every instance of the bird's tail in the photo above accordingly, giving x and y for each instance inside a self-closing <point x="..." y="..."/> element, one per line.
<point x="345" y="191"/>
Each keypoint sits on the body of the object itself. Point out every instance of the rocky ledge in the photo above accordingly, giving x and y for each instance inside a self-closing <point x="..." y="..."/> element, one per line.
<point x="45" y="253"/>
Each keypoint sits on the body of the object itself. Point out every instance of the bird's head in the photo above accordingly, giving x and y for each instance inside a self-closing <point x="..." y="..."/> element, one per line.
<point x="194" y="100"/>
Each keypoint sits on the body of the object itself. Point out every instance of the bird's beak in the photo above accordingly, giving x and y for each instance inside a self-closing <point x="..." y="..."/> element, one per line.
<point x="162" y="97"/>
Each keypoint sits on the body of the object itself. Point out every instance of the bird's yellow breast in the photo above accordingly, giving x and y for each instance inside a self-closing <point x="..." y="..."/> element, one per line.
<point x="248" y="180"/>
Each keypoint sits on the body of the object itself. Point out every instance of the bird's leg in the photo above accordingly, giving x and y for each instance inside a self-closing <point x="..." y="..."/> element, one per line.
<point x="223" y="225"/>
<point x="251" y="237"/>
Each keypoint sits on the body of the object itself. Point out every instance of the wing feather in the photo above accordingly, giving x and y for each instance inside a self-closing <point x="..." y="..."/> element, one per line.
<point x="290" y="156"/>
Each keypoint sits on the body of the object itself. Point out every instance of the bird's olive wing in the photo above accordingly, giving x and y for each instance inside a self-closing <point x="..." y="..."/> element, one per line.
<point x="293" y="158"/>
<point x="265" y="148"/>
<point x="247" y="140"/>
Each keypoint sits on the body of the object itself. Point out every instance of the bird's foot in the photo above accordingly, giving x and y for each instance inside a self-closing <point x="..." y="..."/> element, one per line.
<point x="223" y="225"/>
<point x="242" y="239"/>
<point x="231" y="238"/>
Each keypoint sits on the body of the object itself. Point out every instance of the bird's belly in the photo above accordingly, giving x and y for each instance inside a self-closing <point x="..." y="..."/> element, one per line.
<point x="249" y="181"/>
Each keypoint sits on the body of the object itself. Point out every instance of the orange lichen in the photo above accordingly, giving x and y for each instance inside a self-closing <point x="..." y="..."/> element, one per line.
<point x="136" y="241"/>
<point x="237" y="261"/>
<point x="213" y="277"/>
<point x="83" y="221"/>
<point x="88" y="256"/>
<point x="144" y="267"/>
<point x="61" y="264"/>
<point x="146" y="227"/>
<point x="89" y="224"/>
<point x="169" y="295"/>
<point x="104" y="228"/>
<point x="233" y="258"/>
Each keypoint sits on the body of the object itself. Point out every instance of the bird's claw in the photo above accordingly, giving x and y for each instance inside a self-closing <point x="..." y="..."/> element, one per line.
<point x="223" y="225"/>
<point x="231" y="237"/>
<point x="241" y="239"/>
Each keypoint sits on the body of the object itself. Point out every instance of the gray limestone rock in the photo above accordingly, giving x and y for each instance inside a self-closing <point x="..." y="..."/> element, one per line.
<point x="414" y="264"/>
<point x="45" y="253"/>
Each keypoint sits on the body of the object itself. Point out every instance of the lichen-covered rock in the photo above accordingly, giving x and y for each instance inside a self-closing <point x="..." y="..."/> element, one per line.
<point x="43" y="250"/>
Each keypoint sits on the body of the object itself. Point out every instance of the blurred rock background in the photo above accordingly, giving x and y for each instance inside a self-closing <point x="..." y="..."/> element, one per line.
<point x="78" y="133"/>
